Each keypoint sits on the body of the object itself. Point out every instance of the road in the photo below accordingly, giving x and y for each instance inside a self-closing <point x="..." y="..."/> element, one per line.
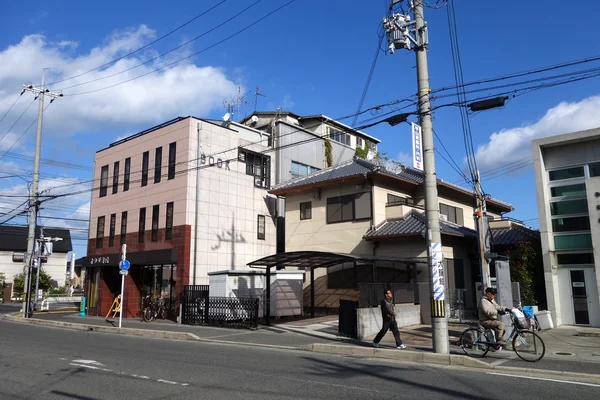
<point x="41" y="362"/>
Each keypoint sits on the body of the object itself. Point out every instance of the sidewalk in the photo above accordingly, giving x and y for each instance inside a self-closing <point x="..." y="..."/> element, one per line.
<point x="567" y="352"/>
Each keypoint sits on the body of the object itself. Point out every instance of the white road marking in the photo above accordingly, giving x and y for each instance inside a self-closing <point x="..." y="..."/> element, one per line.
<point x="94" y="365"/>
<point x="545" y="379"/>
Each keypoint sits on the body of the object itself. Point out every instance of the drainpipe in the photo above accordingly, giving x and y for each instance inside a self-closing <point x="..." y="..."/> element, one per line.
<point x="198" y="128"/>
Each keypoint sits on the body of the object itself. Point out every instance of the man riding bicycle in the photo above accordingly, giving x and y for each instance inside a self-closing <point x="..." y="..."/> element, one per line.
<point x="488" y="314"/>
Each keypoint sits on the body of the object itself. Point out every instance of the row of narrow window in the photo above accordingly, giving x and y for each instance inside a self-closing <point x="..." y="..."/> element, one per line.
<point x="145" y="167"/>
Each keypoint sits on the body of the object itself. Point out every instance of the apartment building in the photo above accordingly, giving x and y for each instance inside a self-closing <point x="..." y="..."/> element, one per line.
<point x="361" y="208"/>
<point x="189" y="197"/>
<point x="567" y="175"/>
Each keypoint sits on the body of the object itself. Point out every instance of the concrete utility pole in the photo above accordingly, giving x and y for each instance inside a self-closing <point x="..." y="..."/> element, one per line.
<point x="482" y="232"/>
<point x="400" y="30"/>
<point x="33" y="204"/>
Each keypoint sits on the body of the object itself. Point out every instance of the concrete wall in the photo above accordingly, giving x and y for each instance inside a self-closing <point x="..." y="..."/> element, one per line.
<point x="56" y="267"/>
<point x="369" y="320"/>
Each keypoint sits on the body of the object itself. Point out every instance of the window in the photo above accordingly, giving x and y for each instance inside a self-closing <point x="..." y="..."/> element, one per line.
<point x="145" y="160"/>
<point x="172" y="152"/>
<point x="169" y="224"/>
<point x="299" y="169"/>
<point x="123" y="227"/>
<point x="115" y="188"/>
<point x="359" y="142"/>
<point x="260" y="229"/>
<point x="351" y="207"/>
<point x="393" y="200"/>
<point x="566" y="242"/>
<point x="157" y="164"/>
<point x="576" y="258"/>
<point x="258" y="166"/>
<point x="567" y="173"/>
<point x="339" y="136"/>
<point x="142" y="226"/>
<point x="569" y="207"/>
<point x="571" y="224"/>
<point x="104" y="181"/>
<point x="568" y="190"/>
<point x="155" y="211"/>
<point x="111" y="232"/>
<point x="100" y="232"/>
<point x="126" y="174"/>
<point x="305" y="210"/>
<point x="594" y="169"/>
<point x="453" y="214"/>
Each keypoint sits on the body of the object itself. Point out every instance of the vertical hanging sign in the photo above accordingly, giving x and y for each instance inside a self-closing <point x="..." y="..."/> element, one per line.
<point x="437" y="271"/>
<point x="416" y="146"/>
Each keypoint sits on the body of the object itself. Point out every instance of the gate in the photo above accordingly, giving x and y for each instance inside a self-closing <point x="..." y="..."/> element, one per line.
<point x="197" y="308"/>
<point x="347" y="324"/>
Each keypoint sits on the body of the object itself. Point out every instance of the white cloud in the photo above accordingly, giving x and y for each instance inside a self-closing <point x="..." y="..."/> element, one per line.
<point x="514" y="144"/>
<point x="404" y="158"/>
<point x="182" y="89"/>
<point x="287" y="102"/>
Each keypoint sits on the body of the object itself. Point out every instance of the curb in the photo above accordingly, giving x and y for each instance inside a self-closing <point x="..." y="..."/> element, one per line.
<point x="433" y="358"/>
<point x="588" y="334"/>
<point x="155" y="334"/>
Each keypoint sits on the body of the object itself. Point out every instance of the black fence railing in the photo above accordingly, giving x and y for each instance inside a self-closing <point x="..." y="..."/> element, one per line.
<point x="371" y="294"/>
<point x="234" y="312"/>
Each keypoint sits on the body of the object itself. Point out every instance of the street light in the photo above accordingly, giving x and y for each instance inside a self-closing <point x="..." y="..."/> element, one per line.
<point x="393" y="120"/>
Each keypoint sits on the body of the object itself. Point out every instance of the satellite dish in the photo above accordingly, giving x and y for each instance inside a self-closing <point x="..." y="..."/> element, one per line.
<point x="226" y="117"/>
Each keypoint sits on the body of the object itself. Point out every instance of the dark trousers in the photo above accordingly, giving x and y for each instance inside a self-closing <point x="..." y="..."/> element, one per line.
<point x="389" y="324"/>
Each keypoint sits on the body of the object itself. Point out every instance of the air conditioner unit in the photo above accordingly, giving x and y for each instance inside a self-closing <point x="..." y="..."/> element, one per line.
<point x="443" y="217"/>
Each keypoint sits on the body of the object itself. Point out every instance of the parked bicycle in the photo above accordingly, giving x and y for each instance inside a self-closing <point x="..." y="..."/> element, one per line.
<point x="153" y="308"/>
<point x="528" y="345"/>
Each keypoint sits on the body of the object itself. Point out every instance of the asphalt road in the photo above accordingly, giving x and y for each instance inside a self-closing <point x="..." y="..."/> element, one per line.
<point x="40" y="362"/>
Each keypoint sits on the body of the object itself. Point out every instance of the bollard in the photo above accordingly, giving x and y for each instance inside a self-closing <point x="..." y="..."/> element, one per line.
<point x="82" y="307"/>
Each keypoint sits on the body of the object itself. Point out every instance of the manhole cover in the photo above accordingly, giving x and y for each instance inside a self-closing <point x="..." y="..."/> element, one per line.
<point x="563" y="354"/>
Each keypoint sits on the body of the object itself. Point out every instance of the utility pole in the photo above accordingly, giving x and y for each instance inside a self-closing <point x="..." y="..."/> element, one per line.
<point x="400" y="30"/>
<point x="34" y="204"/>
<point x="41" y="248"/>
<point x="482" y="232"/>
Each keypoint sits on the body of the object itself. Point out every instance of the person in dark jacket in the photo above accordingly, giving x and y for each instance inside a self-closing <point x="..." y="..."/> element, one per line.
<point x="389" y="321"/>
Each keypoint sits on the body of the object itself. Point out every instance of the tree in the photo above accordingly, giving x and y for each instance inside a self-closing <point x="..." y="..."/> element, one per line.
<point x="328" y="153"/>
<point x="362" y="152"/>
<point x="19" y="281"/>
<point x="2" y="280"/>
<point x="524" y="264"/>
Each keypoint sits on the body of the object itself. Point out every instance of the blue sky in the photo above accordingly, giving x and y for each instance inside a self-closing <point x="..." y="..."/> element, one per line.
<point x="310" y="57"/>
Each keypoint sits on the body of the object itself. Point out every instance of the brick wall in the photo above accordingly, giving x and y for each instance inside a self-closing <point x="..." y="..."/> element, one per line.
<point x="110" y="284"/>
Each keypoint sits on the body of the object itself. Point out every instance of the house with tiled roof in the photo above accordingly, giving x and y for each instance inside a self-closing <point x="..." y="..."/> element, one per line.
<point x="363" y="208"/>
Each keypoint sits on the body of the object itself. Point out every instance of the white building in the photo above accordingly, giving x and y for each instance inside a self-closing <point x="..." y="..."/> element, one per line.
<point x="13" y="245"/>
<point x="567" y="174"/>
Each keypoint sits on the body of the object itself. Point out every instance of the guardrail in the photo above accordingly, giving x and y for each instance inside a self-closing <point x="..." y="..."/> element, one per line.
<point x="60" y="299"/>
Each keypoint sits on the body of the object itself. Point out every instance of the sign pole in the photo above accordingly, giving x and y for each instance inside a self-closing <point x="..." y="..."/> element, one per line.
<point x="122" y="298"/>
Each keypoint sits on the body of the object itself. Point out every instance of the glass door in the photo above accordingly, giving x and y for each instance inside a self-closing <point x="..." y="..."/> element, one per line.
<point x="579" y="295"/>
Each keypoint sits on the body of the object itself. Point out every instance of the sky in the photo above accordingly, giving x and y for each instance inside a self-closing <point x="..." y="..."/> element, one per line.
<point x="308" y="57"/>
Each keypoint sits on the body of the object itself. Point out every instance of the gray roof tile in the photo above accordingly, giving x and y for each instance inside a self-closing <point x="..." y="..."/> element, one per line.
<point x="414" y="224"/>
<point x="512" y="235"/>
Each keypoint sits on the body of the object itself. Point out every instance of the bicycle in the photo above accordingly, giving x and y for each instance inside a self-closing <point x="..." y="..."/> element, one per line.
<point x="153" y="309"/>
<point x="528" y="345"/>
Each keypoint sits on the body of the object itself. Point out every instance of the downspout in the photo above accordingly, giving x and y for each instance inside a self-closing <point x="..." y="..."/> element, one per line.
<point x="198" y="128"/>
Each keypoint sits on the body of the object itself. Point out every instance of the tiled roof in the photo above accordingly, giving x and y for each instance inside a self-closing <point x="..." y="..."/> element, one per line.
<point x="14" y="238"/>
<point x="512" y="235"/>
<point x="358" y="167"/>
<point x="415" y="224"/>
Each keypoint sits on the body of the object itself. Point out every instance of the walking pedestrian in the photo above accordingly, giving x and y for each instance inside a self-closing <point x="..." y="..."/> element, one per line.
<point x="389" y="321"/>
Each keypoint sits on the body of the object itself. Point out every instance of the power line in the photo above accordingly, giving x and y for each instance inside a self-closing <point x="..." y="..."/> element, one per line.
<point x="24" y="132"/>
<point x="10" y="108"/>
<point x="191" y="55"/>
<point x="18" y="119"/>
<point x="168" y="52"/>
<point x="141" y="48"/>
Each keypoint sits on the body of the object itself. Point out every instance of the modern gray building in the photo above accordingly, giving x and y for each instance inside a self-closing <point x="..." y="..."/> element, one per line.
<point x="567" y="174"/>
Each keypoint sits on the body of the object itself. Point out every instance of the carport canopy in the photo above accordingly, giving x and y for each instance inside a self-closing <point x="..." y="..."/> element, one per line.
<point x="318" y="259"/>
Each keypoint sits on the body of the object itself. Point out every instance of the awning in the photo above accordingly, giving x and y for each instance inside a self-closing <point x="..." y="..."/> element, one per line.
<point x="322" y="259"/>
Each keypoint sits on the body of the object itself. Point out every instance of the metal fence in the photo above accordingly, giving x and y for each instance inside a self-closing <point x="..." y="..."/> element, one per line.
<point x="197" y="308"/>
<point x="371" y="294"/>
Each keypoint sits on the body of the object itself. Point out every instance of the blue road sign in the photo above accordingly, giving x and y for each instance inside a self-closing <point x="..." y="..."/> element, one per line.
<point x="124" y="265"/>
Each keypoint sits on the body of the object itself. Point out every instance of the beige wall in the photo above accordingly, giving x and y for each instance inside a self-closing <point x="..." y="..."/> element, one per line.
<point x="154" y="193"/>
